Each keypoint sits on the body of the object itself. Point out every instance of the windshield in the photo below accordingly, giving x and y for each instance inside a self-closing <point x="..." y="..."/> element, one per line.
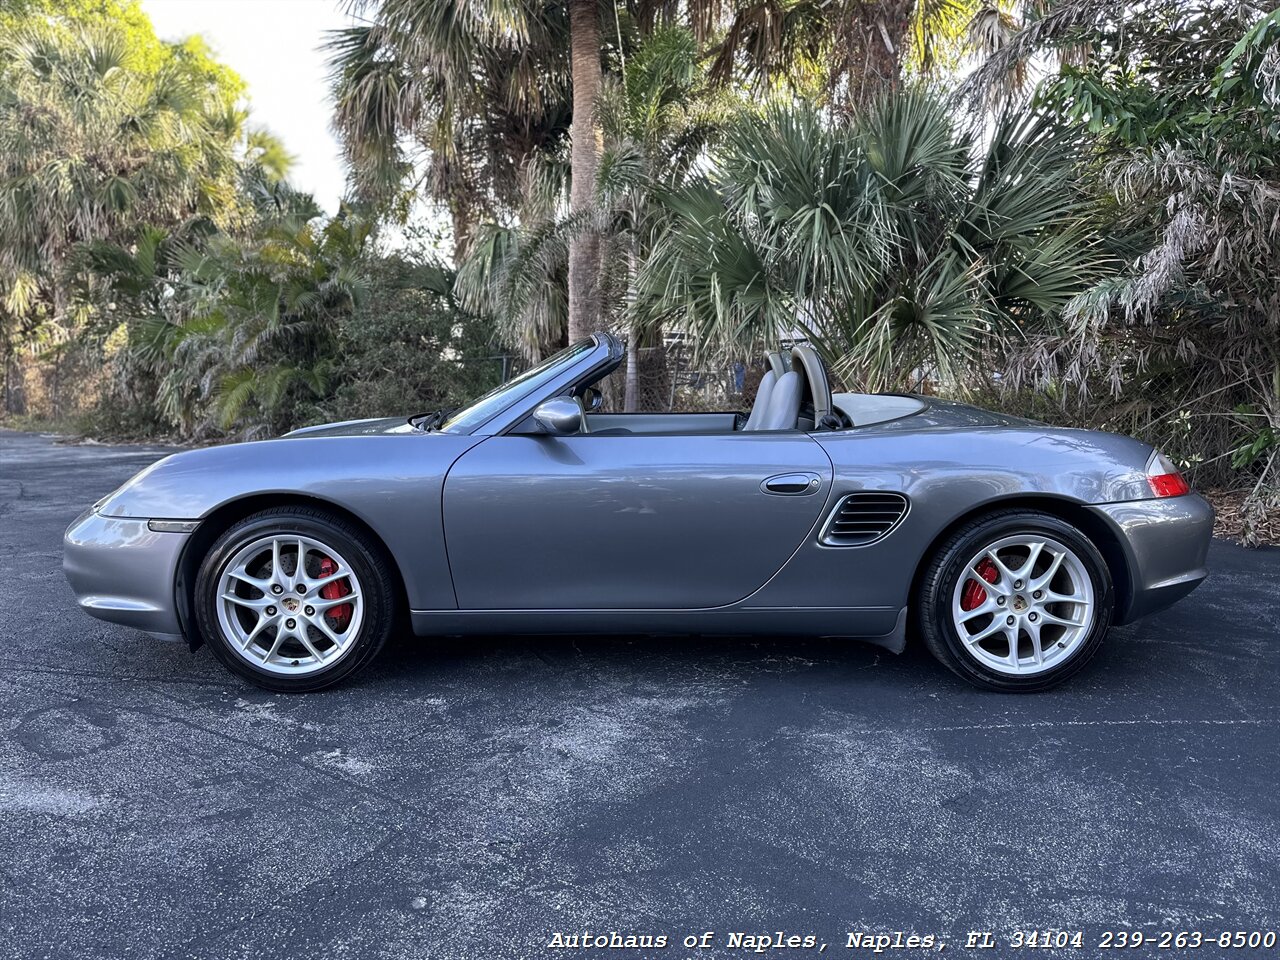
<point x="517" y="389"/>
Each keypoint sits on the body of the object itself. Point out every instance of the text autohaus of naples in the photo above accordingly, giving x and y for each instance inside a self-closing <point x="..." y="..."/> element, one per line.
<point x="738" y="940"/>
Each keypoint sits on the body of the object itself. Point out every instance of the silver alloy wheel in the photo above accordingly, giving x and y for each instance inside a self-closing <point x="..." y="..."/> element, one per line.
<point x="1035" y="612"/>
<point x="289" y="604"/>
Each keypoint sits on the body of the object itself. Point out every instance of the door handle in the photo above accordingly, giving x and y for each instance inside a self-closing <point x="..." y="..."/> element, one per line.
<point x="792" y="484"/>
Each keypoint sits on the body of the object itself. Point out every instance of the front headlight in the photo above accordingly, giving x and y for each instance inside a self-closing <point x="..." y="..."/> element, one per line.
<point x="97" y="507"/>
<point x="103" y="505"/>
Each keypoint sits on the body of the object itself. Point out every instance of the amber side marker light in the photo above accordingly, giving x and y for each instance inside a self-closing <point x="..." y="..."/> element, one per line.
<point x="1164" y="478"/>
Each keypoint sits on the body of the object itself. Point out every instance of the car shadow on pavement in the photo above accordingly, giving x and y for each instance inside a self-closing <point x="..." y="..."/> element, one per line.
<point x="408" y="656"/>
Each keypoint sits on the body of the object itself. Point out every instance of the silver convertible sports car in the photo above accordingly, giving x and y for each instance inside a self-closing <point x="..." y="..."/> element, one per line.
<point x="1009" y="547"/>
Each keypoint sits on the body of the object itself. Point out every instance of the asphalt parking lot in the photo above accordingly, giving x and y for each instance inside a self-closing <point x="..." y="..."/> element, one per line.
<point x="471" y="799"/>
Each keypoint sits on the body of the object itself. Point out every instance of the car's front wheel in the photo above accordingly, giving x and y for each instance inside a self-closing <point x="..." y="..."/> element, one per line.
<point x="295" y="599"/>
<point x="1016" y="601"/>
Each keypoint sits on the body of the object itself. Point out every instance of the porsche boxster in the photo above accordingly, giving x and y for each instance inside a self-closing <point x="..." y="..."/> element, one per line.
<point x="1007" y="546"/>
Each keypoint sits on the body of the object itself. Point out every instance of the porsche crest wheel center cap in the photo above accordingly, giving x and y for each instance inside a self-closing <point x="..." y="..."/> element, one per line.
<point x="290" y="604"/>
<point x="1019" y="603"/>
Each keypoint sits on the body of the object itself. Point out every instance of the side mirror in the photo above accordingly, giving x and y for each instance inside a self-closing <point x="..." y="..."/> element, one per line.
<point x="559" y="415"/>
<point x="592" y="400"/>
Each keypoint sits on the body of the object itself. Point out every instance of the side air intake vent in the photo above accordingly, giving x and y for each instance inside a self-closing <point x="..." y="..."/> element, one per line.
<point x="863" y="518"/>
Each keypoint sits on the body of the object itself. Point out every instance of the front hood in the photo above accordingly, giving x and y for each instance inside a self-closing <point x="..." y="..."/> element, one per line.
<point x="378" y="426"/>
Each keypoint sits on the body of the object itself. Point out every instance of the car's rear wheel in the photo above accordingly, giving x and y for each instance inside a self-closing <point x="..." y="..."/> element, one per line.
<point x="295" y="599"/>
<point x="1016" y="601"/>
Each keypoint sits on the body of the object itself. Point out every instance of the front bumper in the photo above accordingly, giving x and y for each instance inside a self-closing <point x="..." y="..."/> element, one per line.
<point x="124" y="572"/>
<point x="1166" y="545"/>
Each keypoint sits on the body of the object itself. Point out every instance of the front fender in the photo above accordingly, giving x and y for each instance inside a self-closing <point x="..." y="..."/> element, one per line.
<point x="393" y="483"/>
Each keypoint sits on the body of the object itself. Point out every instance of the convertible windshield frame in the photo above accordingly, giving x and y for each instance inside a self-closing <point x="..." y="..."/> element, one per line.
<point x="511" y="402"/>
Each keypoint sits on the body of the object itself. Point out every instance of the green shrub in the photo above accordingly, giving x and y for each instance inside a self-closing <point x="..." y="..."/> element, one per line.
<point x="409" y="348"/>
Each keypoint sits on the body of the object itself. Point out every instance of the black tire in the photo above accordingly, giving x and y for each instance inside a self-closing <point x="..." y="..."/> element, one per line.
<point x="367" y="560"/>
<point x="942" y="575"/>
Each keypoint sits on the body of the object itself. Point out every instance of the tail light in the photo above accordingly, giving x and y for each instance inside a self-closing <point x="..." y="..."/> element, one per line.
<point x="1164" y="477"/>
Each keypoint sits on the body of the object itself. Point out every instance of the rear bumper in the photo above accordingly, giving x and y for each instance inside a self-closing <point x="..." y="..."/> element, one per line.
<point x="1166" y="544"/>
<point x="123" y="572"/>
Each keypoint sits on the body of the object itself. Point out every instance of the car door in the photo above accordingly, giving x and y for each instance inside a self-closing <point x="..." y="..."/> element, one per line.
<point x="542" y="522"/>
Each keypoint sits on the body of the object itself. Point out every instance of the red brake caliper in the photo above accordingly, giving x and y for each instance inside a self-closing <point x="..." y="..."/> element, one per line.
<point x="973" y="595"/>
<point x="340" y="615"/>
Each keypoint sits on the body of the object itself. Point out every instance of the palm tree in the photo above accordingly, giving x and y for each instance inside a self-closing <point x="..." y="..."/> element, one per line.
<point x="490" y="93"/>
<point x="270" y="311"/>
<point x="97" y="135"/>
<point x="586" y="140"/>
<point x="231" y="333"/>
<point x="457" y="78"/>
<point x="484" y="89"/>
<point x="455" y="97"/>
<point x="660" y="118"/>
<point x="851" y="51"/>
<point x="657" y="117"/>
<point x="893" y="243"/>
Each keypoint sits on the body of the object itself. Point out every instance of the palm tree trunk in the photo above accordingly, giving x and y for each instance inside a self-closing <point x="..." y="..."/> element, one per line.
<point x="631" y="395"/>
<point x="461" y="213"/>
<point x="876" y="36"/>
<point x="587" y="142"/>
<point x="61" y="306"/>
<point x="9" y="391"/>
